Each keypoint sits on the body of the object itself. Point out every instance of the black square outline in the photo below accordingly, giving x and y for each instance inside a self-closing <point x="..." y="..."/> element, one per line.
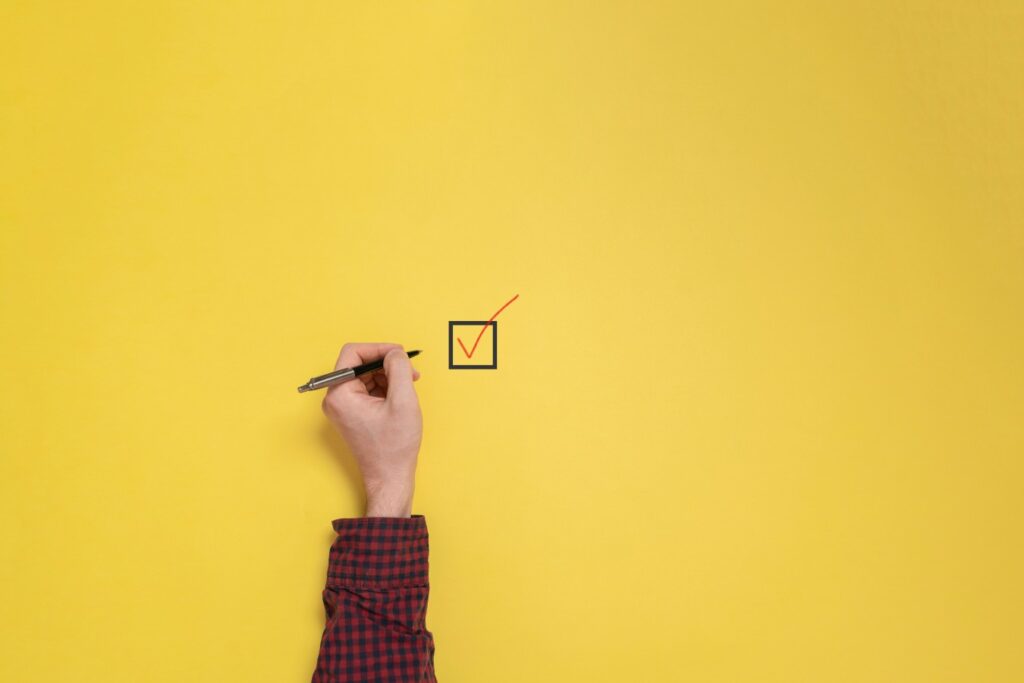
<point x="451" y="343"/>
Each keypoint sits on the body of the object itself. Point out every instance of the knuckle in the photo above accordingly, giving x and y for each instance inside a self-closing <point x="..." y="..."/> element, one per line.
<point x="328" y="406"/>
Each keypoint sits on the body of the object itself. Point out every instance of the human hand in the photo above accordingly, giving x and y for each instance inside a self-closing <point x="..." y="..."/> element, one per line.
<point x="378" y="415"/>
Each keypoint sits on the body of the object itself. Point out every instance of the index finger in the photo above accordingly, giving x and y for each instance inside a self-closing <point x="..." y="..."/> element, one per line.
<point x="356" y="354"/>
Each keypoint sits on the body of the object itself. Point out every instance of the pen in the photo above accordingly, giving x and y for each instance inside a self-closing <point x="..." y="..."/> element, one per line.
<point x="345" y="374"/>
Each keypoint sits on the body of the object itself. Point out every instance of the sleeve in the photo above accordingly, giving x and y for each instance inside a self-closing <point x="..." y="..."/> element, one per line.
<point x="376" y="602"/>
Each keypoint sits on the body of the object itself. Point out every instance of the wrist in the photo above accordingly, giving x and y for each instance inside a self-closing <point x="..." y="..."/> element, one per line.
<point x="389" y="499"/>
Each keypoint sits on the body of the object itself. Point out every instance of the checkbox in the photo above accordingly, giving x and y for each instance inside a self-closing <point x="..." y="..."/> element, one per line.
<point x="472" y="345"/>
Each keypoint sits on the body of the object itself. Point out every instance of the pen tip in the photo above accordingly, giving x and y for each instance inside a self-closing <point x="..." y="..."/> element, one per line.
<point x="304" y="388"/>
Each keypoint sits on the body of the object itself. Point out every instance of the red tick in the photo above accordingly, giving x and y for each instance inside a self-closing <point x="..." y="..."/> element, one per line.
<point x="469" y="354"/>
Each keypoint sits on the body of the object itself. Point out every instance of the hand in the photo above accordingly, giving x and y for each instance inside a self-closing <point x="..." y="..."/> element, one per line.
<point x="378" y="415"/>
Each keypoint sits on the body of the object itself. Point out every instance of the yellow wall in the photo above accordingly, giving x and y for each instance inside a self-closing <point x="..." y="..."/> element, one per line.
<point x="758" y="410"/>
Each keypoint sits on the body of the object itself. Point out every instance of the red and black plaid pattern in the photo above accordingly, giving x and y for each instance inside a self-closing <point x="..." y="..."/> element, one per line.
<point x="376" y="601"/>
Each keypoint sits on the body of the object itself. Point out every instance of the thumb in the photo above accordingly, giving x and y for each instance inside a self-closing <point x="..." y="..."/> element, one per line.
<point x="399" y="372"/>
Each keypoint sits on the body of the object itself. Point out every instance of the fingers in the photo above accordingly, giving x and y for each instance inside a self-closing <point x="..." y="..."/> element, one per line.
<point x="373" y="384"/>
<point x="376" y="382"/>
<point x="399" y="377"/>
<point x="353" y="354"/>
<point x="357" y="354"/>
<point x="381" y="379"/>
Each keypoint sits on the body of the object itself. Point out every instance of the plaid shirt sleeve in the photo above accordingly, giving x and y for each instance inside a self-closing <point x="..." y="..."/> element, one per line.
<point x="376" y="602"/>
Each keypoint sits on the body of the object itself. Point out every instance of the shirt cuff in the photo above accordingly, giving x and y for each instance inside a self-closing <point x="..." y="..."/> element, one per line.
<point x="379" y="552"/>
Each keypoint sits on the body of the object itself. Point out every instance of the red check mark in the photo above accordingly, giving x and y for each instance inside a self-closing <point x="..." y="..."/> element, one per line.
<point x="469" y="354"/>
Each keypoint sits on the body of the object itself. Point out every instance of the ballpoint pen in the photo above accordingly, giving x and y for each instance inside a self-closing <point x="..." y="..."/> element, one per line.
<point x="345" y="374"/>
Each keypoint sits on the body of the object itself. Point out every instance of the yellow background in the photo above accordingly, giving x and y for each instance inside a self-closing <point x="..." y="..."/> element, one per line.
<point x="758" y="411"/>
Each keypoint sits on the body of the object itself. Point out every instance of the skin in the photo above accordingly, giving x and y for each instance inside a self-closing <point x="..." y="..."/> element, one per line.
<point x="379" y="417"/>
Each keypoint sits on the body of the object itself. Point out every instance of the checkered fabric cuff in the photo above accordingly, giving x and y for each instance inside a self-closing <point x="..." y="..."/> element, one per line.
<point x="379" y="552"/>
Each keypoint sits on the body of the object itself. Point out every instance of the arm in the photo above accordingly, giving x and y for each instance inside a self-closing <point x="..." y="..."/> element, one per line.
<point x="377" y="576"/>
